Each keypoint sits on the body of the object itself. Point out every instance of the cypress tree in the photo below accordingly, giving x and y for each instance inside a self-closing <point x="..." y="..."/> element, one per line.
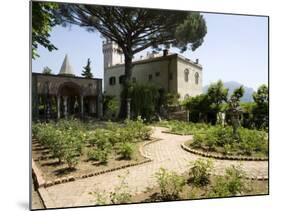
<point x="87" y="70"/>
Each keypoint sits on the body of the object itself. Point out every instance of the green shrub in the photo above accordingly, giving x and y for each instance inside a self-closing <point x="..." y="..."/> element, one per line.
<point x="111" y="126"/>
<point x="253" y="141"/>
<point x="70" y="156"/>
<point x="98" y="136"/>
<point x="227" y="149"/>
<point x="198" y="140"/>
<point x="99" y="155"/>
<point x="124" y="135"/>
<point x="57" y="145"/>
<point x="200" y="172"/>
<point x="231" y="184"/>
<point x="121" y="193"/>
<point x="110" y="106"/>
<point x="184" y="127"/>
<point x="64" y="139"/>
<point x="170" y="184"/>
<point x="100" y="197"/>
<point x="72" y="149"/>
<point x="35" y="129"/>
<point x="211" y="144"/>
<point x="250" y="142"/>
<point x="126" y="150"/>
<point x="222" y="135"/>
<point x="138" y="129"/>
<point x="71" y="124"/>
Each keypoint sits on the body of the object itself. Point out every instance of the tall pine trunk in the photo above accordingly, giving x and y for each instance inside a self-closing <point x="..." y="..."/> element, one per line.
<point x="126" y="85"/>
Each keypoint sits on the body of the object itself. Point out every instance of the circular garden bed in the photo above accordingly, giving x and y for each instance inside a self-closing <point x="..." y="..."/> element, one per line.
<point x="219" y="142"/>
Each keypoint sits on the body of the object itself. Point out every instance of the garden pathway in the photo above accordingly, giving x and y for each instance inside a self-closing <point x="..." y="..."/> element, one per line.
<point x="166" y="153"/>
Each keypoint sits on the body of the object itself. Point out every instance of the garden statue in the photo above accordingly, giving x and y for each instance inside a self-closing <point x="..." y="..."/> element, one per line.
<point x="187" y="115"/>
<point x="235" y="120"/>
<point x="65" y="106"/>
<point x="221" y="118"/>
<point x="76" y="105"/>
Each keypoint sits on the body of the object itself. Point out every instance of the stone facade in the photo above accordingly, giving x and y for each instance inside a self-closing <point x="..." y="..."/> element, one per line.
<point x="173" y="72"/>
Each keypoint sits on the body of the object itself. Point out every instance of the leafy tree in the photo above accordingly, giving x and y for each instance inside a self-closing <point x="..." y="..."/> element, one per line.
<point x="199" y="106"/>
<point x="136" y="29"/>
<point x="260" y="111"/>
<point x="217" y="95"/>
<point x="47" y="71"/>
<point x="247" y="108"/>
<point x="43" y="19"/>
<point x="87" y="70"/>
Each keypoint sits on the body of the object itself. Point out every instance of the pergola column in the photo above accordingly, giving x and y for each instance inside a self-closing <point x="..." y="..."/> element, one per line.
<point x="99" y="106"/>
<point x="187" y="115"/>
<point x="129" y="108"/>
<point x="65" y="106"/>
<point x="58" y="107"/>
<point x="82" y="105"/>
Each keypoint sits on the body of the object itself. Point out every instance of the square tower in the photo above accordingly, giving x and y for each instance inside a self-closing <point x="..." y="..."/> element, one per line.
<point x="112" y="54"/>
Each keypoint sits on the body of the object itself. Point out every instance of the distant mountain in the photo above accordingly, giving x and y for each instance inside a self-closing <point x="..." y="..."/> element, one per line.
<point x="231" y="85"/>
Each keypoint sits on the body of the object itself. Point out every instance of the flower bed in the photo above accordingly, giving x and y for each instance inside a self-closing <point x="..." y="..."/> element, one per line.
<point x="72" y="149"/>
<point x="251" y="143"/>
<point x="220" y="141"/>
<point x="220" y="156"/>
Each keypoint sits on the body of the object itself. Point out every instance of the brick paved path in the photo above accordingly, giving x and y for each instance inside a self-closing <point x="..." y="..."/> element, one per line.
<point x="36" y="200"/>
<point x="165" y="153"/>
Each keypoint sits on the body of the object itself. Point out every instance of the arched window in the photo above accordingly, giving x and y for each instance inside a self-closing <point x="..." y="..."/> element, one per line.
<point x="186" y="73"/>
<point x="196" y="78"/>
<point x="112" y="81"/>
<point x="121" y="79"/>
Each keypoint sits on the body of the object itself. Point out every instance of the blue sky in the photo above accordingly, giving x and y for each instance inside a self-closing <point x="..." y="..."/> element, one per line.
<point x="235" y="49"/>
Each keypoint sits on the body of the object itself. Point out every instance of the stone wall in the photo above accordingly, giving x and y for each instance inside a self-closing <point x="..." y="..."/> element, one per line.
<point x="166" y="72"/>
<point x="158" y="68"/>
<point x="188" y="87"/>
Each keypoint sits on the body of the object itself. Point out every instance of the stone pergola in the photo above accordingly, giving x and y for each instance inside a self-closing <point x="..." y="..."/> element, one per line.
<point x="64" y="95"/>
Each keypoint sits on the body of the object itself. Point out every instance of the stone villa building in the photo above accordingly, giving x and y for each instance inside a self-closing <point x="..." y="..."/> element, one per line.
<point x="64" y="95"/>
<point x="173" y="72"/>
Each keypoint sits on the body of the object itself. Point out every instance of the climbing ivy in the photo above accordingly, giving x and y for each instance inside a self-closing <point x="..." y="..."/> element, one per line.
<point x="144" y="100"/>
